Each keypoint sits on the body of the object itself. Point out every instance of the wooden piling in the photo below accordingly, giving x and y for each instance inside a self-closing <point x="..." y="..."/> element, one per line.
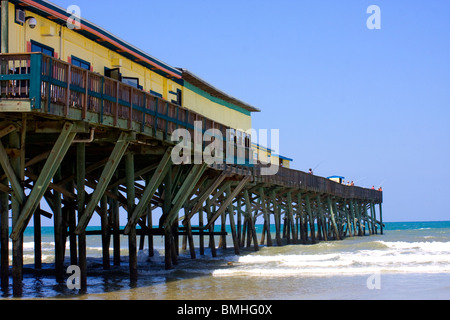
<point x="251" y="226"/>
<point x="321" y="217"/>
<point x="190" y="239"/>
<point x="81" y="198"/>
<point x="290" y="213"/>
<point x="381" y="217"/>
<point x="37" y="240"/>
<point x="201" y="237"/>
<point x="60" y="241"/>
<point x="105" y="232"/>
<point x="131" y="196"/>
<point x="4" y="237"/>
<point x="276" y="214"/>
<point x="265" y="210"/>
<point x="300" y="211"/>
<point x="212" y="244"/>
<point x="311" y="219"/>
<point x="115" y="223"/>
<point x="167" y="205"/>
<point x="230" y="213"/>
<point x="333" y="219"/>
<point x="151" y="250"/>
<point x="16" y="206"/>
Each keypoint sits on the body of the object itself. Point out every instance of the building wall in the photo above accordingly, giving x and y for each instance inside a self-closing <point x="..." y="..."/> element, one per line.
<point x="286" y="163"/>
<point x="67" y="43"/>
<point x="214" y="108"/>
<point x="264" y="154"/>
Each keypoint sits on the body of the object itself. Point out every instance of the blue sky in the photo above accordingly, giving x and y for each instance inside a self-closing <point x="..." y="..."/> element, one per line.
<point x="371" y="105"/>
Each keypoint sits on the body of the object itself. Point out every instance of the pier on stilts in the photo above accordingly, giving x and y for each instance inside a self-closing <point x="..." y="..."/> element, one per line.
<point x="89" y="145"/>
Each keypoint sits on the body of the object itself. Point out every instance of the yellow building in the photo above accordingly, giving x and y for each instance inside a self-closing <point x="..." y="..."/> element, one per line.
<point x="266" y="155"/>
<point x="40" y="26"/>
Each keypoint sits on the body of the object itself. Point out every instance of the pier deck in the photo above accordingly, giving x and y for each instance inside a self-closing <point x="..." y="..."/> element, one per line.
<point x="88" y="144"/>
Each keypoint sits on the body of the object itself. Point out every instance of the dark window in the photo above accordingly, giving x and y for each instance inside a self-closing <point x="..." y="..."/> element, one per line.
<point x="134" y="82"/>
<point x="113" y="74"/>
<point x="156" y="93"/>
<point x="39" y="47"/>
<point x="77" y="62"/>
<point x="179" y="97"/>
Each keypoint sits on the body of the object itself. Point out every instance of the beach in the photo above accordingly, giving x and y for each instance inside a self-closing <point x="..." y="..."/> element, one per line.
<point x="411" y="261"/>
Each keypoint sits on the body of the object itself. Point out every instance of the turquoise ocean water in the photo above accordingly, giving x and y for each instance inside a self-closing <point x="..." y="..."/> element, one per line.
<point x="410" y="261"/>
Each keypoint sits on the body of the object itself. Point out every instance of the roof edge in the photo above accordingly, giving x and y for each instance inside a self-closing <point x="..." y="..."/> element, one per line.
<point x="213" y="91"/>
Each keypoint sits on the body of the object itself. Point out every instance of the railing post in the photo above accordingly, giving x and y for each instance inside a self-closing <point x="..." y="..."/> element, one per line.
<point x="102" y="99"/>
<point x="49" y="84"/>
<point x="35" y="81"/>
<point x="69" y="80"/>
<point x="86" y="97"/>
<point x="130" y="111"/>
<point x="116" y="105"/>
<point x="144" y="112"/>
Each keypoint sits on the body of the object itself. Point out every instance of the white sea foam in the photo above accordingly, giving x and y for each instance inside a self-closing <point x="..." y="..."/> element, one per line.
<point x="438" y="247"/>
<point x="393" y="257"/>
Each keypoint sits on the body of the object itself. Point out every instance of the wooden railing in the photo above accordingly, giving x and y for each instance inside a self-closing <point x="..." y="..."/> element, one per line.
<point x="56" y="87"/>
<point x="308" y="182"/>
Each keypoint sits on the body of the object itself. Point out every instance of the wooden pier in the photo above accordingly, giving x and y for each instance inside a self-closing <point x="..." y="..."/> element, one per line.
<point x="89" y="145"/>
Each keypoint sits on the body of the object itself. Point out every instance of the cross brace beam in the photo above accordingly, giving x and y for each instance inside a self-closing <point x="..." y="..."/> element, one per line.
<point x="184" y="192"/>
<point x="150" y="190"/>
<point x="228" y="201"/>
<point x="52" y="164"/>
<point x="105" y="178"/>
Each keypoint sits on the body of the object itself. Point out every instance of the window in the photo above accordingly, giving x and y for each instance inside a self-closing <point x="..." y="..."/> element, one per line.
<point x="159" y="95"/>
<point x="113" y="74"/>
<point x="39" y="47"/>
<point x="77" y="62"/>
<point x="179" y="97"/>
<point x="134" y="82"/>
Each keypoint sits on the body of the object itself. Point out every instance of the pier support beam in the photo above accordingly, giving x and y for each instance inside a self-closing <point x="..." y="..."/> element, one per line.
<point x="276" y="213"/>
<point x="230" y="212"/>
<point x="105" y="178"/>
<point x="300" y="212"/>
<point x="311" y="218"/>
<point x="4" y="238"/>
<point x="333" y="219"/>
<point x="115" y="223"/>
<point x="48" y="171"/>
<point x="250" y="220"/>
<point x="167" y="204"/>
<point x="323" y="220"/>
<point x="150" y="190"/>
<point x="381" y="217"/>
<point x="291" y="222"/>
<point x="60" y="240"/>
<point x="81" y="198"/>
<point x="16" y="208"/>
<point x="131" y="196"/>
